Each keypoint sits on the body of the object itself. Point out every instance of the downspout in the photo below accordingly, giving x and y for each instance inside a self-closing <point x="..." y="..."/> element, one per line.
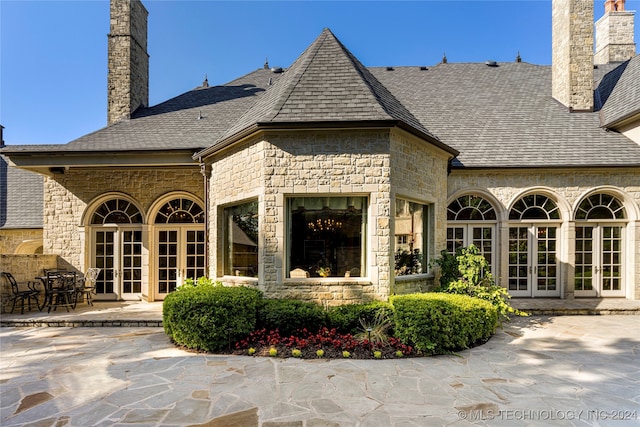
<point x="205" y="176"/>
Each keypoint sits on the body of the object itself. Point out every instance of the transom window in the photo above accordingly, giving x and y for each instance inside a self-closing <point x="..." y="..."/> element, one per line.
<point x="241" y="240"/>
<point x="471" y="221"/>
<point x="180" y="211"/>
<point x="411" y="232"/>
<point x="470" y="208"/>
<point x="534" y="206"/>
<point x="117" y="211"/>
<point x="327" y="236"/>
<point x="600" y="206"/>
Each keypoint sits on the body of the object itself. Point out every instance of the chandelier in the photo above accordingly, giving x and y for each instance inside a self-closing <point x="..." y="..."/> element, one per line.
<point x="327" y="224"/>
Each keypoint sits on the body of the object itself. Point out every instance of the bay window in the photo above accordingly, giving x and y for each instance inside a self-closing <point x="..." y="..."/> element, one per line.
<point x="241" y="240"/>
<point x="327" y="236"/>
<point x="411" y="233"/>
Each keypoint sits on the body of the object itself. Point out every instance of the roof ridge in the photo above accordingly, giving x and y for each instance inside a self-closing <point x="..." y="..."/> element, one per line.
<point x="305" y="60"/>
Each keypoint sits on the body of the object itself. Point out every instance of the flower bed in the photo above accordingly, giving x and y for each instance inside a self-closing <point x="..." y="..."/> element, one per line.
<point x="331" y="343"/>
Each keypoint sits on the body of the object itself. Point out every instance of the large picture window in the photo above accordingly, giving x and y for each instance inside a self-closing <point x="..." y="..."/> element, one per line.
<point x="411" y="225"/>
<point x="241" y="240"/>
<point x="327" y="236"/>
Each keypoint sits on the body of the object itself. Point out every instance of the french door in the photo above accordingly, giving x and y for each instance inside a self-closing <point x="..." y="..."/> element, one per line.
<point x="481" y="236"/>
<point x="118" y="254"/>
<point x="599" y="260"/>
<point x="533" y="261"/>
<point x="180" y="256"/>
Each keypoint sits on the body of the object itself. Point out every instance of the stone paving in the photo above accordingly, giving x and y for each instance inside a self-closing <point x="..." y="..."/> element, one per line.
<point x="536" y="371"/>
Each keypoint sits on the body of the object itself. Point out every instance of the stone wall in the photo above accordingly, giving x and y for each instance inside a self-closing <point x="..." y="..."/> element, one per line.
<point x="419" y="173"/>
<point x="128" y="61"/>
<point x="614" y="37"/>
<point x="572" y="53"/>
<point x="275" y="166"/>
<point x="67" y="196"/>
<point x="24" y="268"/>
<point x="567" y="188"/>
<point x="11" y="239"/>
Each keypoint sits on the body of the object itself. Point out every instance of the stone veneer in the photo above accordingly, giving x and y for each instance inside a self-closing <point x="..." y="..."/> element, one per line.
<point x="12" y="239"/>
<point x="277" y="165"/>
<point x="128" y="60"/>
<point x="614" y="37"/>
<point x="572" y="46"/>
<point x="24" y="268"/>
<point x="68" y="195"/>
<point x="567" y="188"/>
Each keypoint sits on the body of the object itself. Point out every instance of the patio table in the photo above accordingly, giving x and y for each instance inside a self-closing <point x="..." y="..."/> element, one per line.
<point x="59" y="290"/>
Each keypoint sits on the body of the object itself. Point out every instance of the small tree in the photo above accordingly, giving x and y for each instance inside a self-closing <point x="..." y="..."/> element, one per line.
<point x="467" y="273"/>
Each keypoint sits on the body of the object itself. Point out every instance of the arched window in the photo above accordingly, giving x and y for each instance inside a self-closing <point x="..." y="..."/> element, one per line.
<point x="471" y="220"/>
<point x="533" y="247"/>
<point x="116" y="211"/>
<point x="470" y="208"/>
<point x="534" y="206"/>
<point x="117" y="250"/>
<point x="599" y="250"/>
<point x="180" y="211"/>
<point x="600" y="206"/>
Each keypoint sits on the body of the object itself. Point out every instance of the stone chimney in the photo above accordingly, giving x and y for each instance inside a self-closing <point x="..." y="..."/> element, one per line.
<point x="614" y="34"/>
<point x="572" y="59"/>
<point x="128" y="78"/>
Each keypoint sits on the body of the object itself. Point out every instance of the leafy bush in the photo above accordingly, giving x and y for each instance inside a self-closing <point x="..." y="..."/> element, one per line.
<point x="467" y="273"/>
<point x="440" y="323"/>
<point x="288" y="315"/>
<point x="201" y="282"/>
<point x="347" y="319"/>
<point x="209" y="317"/>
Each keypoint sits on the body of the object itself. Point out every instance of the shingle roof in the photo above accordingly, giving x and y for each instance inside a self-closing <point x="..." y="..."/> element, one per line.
<point x="619" y="93"/>
<point x="505" y="116"/>
<point x="22" y="206"/>
<point x="496" y="116"/>
<point x="193" y="120"/>
<point x="326" y="83"/>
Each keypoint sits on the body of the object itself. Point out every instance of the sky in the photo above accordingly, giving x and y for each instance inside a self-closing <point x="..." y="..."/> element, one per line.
<point x="53" y="53"/>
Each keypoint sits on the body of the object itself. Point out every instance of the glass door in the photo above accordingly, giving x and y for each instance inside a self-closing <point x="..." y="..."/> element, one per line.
<point x="599" y="261"/>
<point x="481" y="236"/>
<point x="533" y="262"/>
<point x="181" y="256"/>
<point x="118" y="254"/>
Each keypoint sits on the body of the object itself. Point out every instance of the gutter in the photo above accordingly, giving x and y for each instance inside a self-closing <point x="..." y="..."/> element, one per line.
<point x="315" y="125"/>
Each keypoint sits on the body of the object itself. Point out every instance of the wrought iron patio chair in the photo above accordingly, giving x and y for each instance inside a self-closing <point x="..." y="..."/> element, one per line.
<point x="24" y="293"/>
<point x="87" y="285"/>
<point x="61" y="289"/>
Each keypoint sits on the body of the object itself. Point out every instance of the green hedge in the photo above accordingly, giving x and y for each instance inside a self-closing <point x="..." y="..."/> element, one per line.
<point x="440" y="323"/>
<point x="346" y="318"/>
<point x="208" y="317"/>
<point x="289" y="315"/>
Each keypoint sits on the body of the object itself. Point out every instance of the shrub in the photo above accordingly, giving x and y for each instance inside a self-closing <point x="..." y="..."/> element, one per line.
<point x="376" y="331"/>
<point x="287" y="316"/>
<point x="347" y="319"/>
<point x="441" y="323"/>
<point x="466" y="273"/>
<point x="209" y="317"/>
<point x="200" y="282"/>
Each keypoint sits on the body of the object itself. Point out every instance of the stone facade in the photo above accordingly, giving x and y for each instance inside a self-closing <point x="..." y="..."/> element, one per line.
<point x="128" y="61"/>
<point x="24" y="268"/>
<point x="572" y="43"/>
<point x="21" y="240"/>
<point x="278" y="165"/>
<point x="567" y="188"/>
<point x="69" y="200"/>
<point x="614" y="37"/>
